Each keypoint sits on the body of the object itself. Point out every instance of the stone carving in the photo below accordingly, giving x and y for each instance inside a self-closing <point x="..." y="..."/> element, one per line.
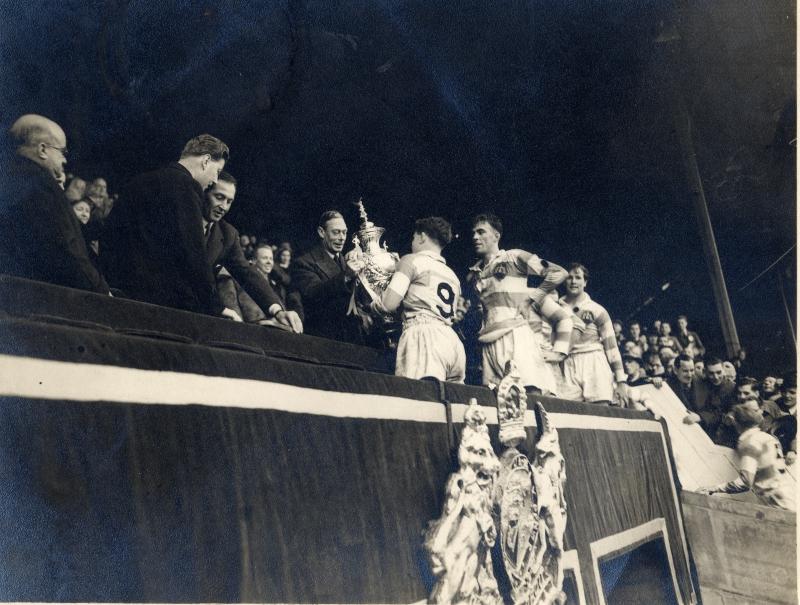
<point x="529" y="499"/>
<point x="512" y="402"/>
<point x="523" y="498"/>
<point x="459" y="543"/>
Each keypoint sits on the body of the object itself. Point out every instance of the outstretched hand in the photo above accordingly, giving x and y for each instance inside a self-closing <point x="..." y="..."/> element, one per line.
<point x="624" y="394"/>
<point x="290" y="319"/>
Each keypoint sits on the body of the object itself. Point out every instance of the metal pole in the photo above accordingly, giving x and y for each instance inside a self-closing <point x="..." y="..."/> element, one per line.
<point x="788" y="311"/>
<point x="683" y="129"/>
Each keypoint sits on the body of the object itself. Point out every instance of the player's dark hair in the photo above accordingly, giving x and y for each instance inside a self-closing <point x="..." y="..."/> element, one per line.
<point x="582" y="267"/>
<point x="745" y="416"/>
<point x="206" y="144"/>
<point x="436" y="228"/>
<point x="683" y="357"/>
<point x="745" y="380"/>
<point x="329" y="215"/>
<point x="713" y="361"/>
<point x="488" y="217"/>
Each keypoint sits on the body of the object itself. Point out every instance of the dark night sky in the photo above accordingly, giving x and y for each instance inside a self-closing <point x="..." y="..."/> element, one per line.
<point x="557" y="115"/>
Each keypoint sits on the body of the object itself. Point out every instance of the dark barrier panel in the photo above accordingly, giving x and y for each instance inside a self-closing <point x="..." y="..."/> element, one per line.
<point x="319" y="493"/>
<point x="38" y="301"/>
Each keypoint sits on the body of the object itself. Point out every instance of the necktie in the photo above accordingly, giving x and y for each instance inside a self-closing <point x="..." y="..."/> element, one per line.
<point x="340" y="261"/>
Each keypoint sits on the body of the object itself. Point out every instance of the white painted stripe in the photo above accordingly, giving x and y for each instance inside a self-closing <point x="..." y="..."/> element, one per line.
<point x="616" y="543"/>
<point x="46" y="379"/>
<point x="603" y="423"/>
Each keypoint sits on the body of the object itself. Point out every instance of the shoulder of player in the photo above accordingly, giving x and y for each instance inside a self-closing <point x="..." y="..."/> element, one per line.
<point x="754" y="442"/>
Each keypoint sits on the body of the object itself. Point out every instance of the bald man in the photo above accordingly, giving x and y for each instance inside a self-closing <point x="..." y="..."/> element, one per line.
<point x="42" y="238"/>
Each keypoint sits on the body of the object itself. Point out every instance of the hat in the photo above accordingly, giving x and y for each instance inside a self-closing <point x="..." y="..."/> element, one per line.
<point x="790" y="381"/>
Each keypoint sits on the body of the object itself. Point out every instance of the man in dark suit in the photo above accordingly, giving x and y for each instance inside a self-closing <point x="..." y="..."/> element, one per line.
<point x="153" y="244"/>
<point x="324" y="277"/>
<point x="42" y="237"/>
<point x="224" y="250"/>
<point x="264" y="263"/>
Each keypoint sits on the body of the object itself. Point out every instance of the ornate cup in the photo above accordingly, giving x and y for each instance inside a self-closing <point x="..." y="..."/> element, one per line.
<point x="379" y="263"/>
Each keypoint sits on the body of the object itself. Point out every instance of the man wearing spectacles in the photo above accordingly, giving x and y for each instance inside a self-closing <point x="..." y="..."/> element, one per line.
<point x="42" y="238"/>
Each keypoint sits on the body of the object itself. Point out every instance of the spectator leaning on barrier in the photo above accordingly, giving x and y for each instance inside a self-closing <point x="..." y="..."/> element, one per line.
<point x="689" y="389"/>
<point x="654" y="366"/>
<point x="223" y="250"/>
<point x="762" y="468"/>
<point x="716" y="403"/>
<point x="264" y="263"/>
<point x="42" y="237"/>
<point x="634" y="368"/>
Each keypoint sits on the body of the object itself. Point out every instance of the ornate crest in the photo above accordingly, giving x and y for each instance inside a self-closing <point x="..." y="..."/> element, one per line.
<point x="459" y="543"/>
<point x="532" y="515"/>
<point x="523" y="498"/>
<point x="529" y="500"/>
<point x="511" y="405"/>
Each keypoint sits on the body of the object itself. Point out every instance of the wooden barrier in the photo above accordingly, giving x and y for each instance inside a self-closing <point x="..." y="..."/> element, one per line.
<point x="744" y="553"/>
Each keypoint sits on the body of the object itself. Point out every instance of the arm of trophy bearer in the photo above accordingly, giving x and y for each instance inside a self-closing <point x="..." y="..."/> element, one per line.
<point x="397" y="288"/>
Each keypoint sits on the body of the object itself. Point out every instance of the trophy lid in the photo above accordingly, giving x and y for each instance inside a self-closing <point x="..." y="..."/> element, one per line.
<point x="367" y="230"/>
<point x="362" y="213"/>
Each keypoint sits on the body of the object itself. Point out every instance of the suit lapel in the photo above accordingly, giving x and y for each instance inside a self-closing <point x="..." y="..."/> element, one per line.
<point x="326" y="264"/>
<point x="214" y="244"/>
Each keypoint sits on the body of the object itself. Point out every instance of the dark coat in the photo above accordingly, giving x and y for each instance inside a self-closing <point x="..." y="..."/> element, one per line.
<point x="252" y="313"/>
<point x="223" y="250"/>
<point x="42" y="237"/>
<point x="153" y="247"/>
<point x="326" y="296"/>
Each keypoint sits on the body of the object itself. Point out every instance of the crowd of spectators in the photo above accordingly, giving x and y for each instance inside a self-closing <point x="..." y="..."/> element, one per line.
<point x="165" y="241"/>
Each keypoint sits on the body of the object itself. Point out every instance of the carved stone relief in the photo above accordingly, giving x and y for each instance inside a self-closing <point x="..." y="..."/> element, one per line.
<point x="522" y="500"/>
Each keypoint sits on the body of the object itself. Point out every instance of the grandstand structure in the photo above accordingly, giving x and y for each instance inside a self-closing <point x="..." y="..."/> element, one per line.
<point x="155" y="455"/>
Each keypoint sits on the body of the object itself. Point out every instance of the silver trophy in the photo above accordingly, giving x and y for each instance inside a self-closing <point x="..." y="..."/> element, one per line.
<point x="379" y="263"/>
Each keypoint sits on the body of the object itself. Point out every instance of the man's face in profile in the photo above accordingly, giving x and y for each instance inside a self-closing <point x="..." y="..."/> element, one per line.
<point x="210" y="172"/>
<point x="218" y="200"/>
<point x="333" y="235"/>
